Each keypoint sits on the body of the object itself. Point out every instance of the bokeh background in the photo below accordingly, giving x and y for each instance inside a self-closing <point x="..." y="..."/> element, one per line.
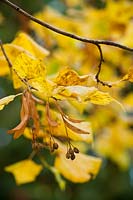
<point x="110" y="184"/>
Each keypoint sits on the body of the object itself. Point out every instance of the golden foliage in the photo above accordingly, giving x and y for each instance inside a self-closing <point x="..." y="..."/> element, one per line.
<point x="24" y="171"/>
<point x="6" y="100"/>
<point x="53" y="93"/>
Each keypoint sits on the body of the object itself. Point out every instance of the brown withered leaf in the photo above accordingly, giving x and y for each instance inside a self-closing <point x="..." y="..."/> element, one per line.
<point x="81" y="128"/>
<point x="19" y="129"/>
<point x="49" y="118"/>
<point x="34" y="114"/>
<point x="66" y="116"/>
<point x="73" y="120"/>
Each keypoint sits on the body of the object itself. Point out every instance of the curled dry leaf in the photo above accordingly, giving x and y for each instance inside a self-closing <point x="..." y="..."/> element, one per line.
<point x="28" y="111"/>
<point x="73" y="120"/>
<point x="19" y="129"/>
<point x="81" y="127"/>
<point x="66" y="116"/>
<point x="48" y="116"/>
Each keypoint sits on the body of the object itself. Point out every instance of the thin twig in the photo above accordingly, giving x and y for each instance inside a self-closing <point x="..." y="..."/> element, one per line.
<point x="33" y="153"/>
<point x="99" y="68"/>
<point x="67" y="34"/>
<point x="4" y="53"/>
<point x="100" y="63"/>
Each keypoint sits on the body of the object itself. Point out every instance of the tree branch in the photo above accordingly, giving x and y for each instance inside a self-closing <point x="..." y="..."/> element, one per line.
<point x="97" y="43"/>
<point x="67" y="34"/>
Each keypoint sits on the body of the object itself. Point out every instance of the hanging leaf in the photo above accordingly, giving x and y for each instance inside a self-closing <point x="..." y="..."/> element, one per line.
<point x="28" y="67"/>
<point x="81" y="128"/>
<point x="129" y="76"/>
<point x="24" y="171"/>
<point x="83" y="94"/>
<point x="49" y="118"/>
<point x="6" y="100"/>
<point x="30" y="45"/>
<point x="19" y="129"/>
<point x="80" y="170"/>
<point x="69" y="77"/>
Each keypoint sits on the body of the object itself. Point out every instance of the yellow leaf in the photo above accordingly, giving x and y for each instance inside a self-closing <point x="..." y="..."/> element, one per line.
<point x="24" y="171"/>
<point x="22" y="43"/>
<point x="80" y="170"/>
<point x="82" y="94"/>
<point x="6" y="100"/>
<point x="12" y="51"/>
<point x="100" y="98"/>
<point x="129" y="76"/>
<point x="68" y="77"/>
<point x="128" y="100"/>
<point x="79" y="93"/>
<point x="30" y="45"/>
<point x="44" y="87"/>
<point x="28" y="68"/>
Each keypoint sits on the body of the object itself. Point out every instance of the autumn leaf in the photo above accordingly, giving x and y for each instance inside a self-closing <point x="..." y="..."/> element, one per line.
<point x="100" y="98"/>
<point x="24" y="40"/>
<point x="12" y="51"/>
<point x="48" y="116"/>
<point x="83" y="128"/>
<point x="79" y="127"/>
<point x="118" y="139"/>
<point x="32" y="71"/>
<point x="84" y="94"/>
<point x="19" y="129"/>
<point x="24" y="171"/>
<point x="6" y="100"/>
<point x="129" y="76"/>
<point x="22" y="43"/>
<point x="80" y="170"/>
<point x="69" y="77"/>
<point x="28" y="68"/>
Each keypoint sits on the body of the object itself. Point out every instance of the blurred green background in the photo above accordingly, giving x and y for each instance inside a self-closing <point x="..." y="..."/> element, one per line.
<point x="110" y="184"/>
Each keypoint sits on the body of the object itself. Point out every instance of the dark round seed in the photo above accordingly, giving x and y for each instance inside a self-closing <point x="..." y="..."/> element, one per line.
<point x="76" y="150"/>
<point x="72" y="156"/>
<point x="68" y="155"/>
<point x="55" y="146"/>
<point x="70" y="150"/>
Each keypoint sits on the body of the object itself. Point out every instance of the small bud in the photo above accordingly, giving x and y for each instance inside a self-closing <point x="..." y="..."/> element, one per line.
<point x="76" y="150"/>
<point x="72" y="156"/>
<point x="55" y="146"/>
<point x="68" y="155"/>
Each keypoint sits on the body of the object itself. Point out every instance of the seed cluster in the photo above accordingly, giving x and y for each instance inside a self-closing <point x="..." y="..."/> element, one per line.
<point x="71" y="153"/>
<point x="54" y="147"/>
